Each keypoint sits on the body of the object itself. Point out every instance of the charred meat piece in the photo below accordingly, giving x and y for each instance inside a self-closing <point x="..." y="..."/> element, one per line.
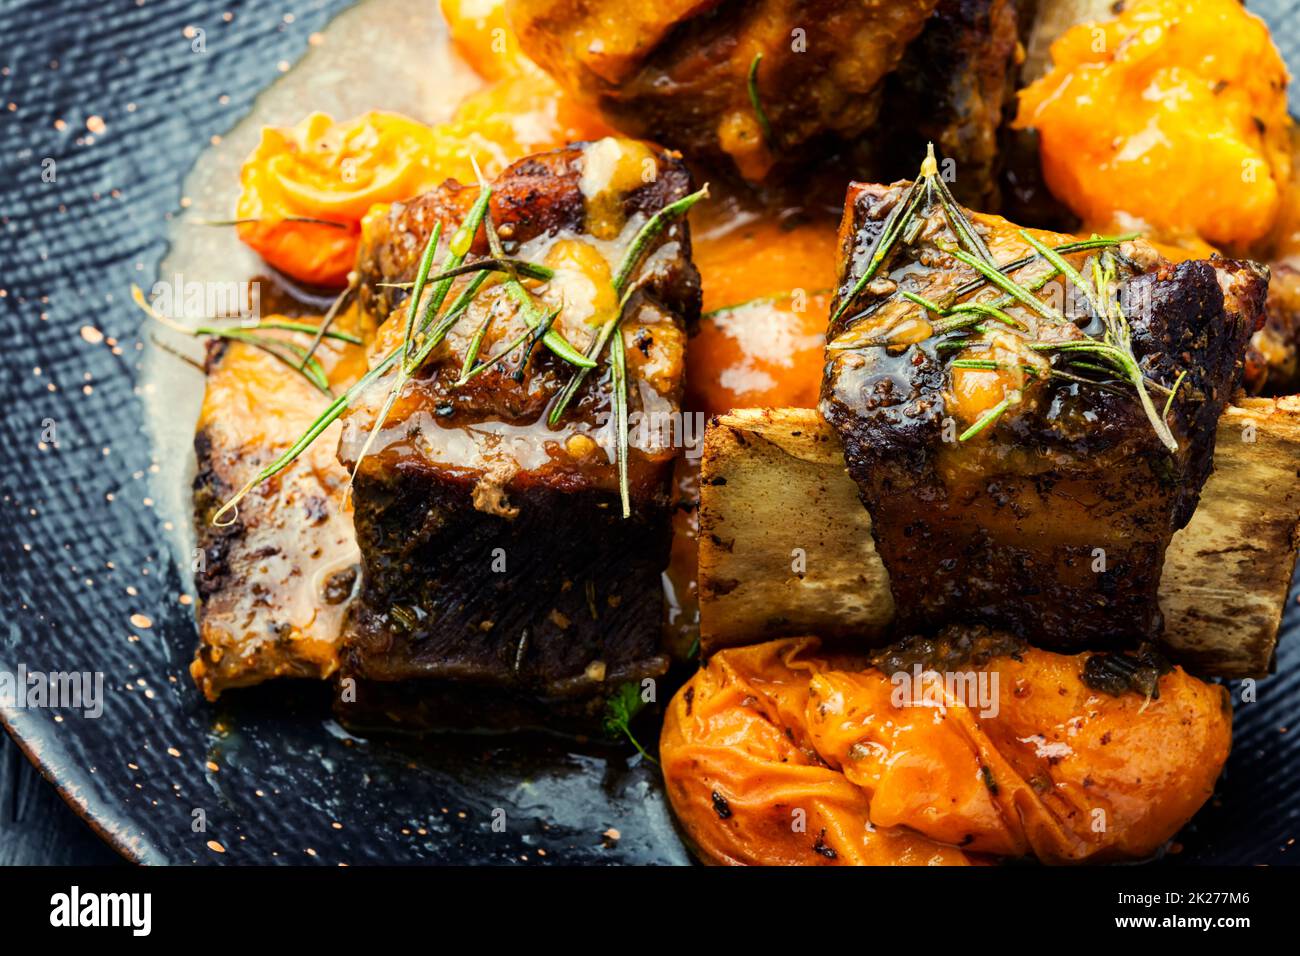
<point x="1014" y="475"/>
<point x="493" y="544"/>
<point x="678" y="71"/>
<point x="951" y="88"/>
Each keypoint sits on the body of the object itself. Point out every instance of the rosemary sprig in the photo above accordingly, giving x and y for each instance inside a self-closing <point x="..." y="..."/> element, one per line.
<point x="528" y="338"/>
<point x="898" y="218"/>
<point x="647" y="234"/>
<point x="967" y="235"/>
<point x="323" y="421"/>
<point x="976" y="310"/>
<point x="402" y="375"/>
<point x="249" y="220"/>
<point x="994" y="365"/>
<point x="1110" y="356"/>
<point x="289" y="353"/>
<point x="424" y="335"/>
<point x="1005" y="283"/>
<point x="458" y="249"/>
<point x="622" y="276"/>
<point x="618" y="385"/>
<point x="523" y="267"/>
<point x="1064" y="268"/>
<point x="286" y="326"/>
<point x="475" y="343"/>
<point x="1119" y="335"/>
<point x="1065" y="248"/>
<point x="415" y="350"/>
<point x="417" y="291"/>
<point x="990" y="417"/>
<point x="528" y="308"/>
<point x="756" y="102"/>
<point x="331" y="314"/>
<point x="1169" y="402"/>
<point x="924" y="190"/>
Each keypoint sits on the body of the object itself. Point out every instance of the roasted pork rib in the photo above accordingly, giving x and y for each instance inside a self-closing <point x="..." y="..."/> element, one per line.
<point x="1013" y="479"/>
<point x="493" y="545"/>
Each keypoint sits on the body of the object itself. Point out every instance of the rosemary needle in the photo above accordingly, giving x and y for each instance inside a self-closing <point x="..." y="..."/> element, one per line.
<point x="1169" y="402"/>
<point x="347" y="337"/>
<point x="622" y="276"/>
<point x="1110" y="356"/>
<point x="761" y="300"/>
<point x="291" y="354"/>
<point x="314" y="430"/>
<point x="528" y="338"/>
<point x="457" y="249"/>
<point x="331" y="315"/>
<point x="965" y="230"/>
<point x="475" y="343"/>
<point x="894" y="223"/>
<point x="1058" y="262"/>
<point x="523" y="267"/>
<point x="399" y="379"/>
<point x="991" y="416"/>
<point x="307" y="220"/>
<point x="1081" y="245"/>
<point x="415" y="338"/>
<point x="417" y="291"/>
<point x="1018" y="292"/>
<point x="528" y="309"/>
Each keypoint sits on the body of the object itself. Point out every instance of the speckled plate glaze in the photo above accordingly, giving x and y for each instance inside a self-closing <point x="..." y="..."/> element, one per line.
<point x="120" y="100"/>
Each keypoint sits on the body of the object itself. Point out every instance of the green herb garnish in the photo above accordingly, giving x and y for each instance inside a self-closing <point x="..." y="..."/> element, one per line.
<point x="621" y="709"/>
<point x="330" y="315"/>
<point x="622" y="276"/>
<point x="608" y="331"/>
<point x="761" y="300"/>
<point x="1076" y="358"/>
<point x="309" y="220"/>
<point x="425" y="330"/>
<point x="287" y="352"/>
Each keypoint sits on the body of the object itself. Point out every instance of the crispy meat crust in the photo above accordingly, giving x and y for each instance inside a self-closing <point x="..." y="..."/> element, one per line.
<point x="1055" y="523"/>
<point x="517" y="576"/>
<point x="538" y="195"/>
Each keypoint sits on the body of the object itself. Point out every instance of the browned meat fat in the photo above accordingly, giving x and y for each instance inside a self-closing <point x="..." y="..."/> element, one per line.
<point x="273" y="585"/>
<point x="1053" y="518"/>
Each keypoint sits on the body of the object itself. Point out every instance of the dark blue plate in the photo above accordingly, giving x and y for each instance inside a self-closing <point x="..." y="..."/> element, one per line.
<point x="83" y="548"/>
